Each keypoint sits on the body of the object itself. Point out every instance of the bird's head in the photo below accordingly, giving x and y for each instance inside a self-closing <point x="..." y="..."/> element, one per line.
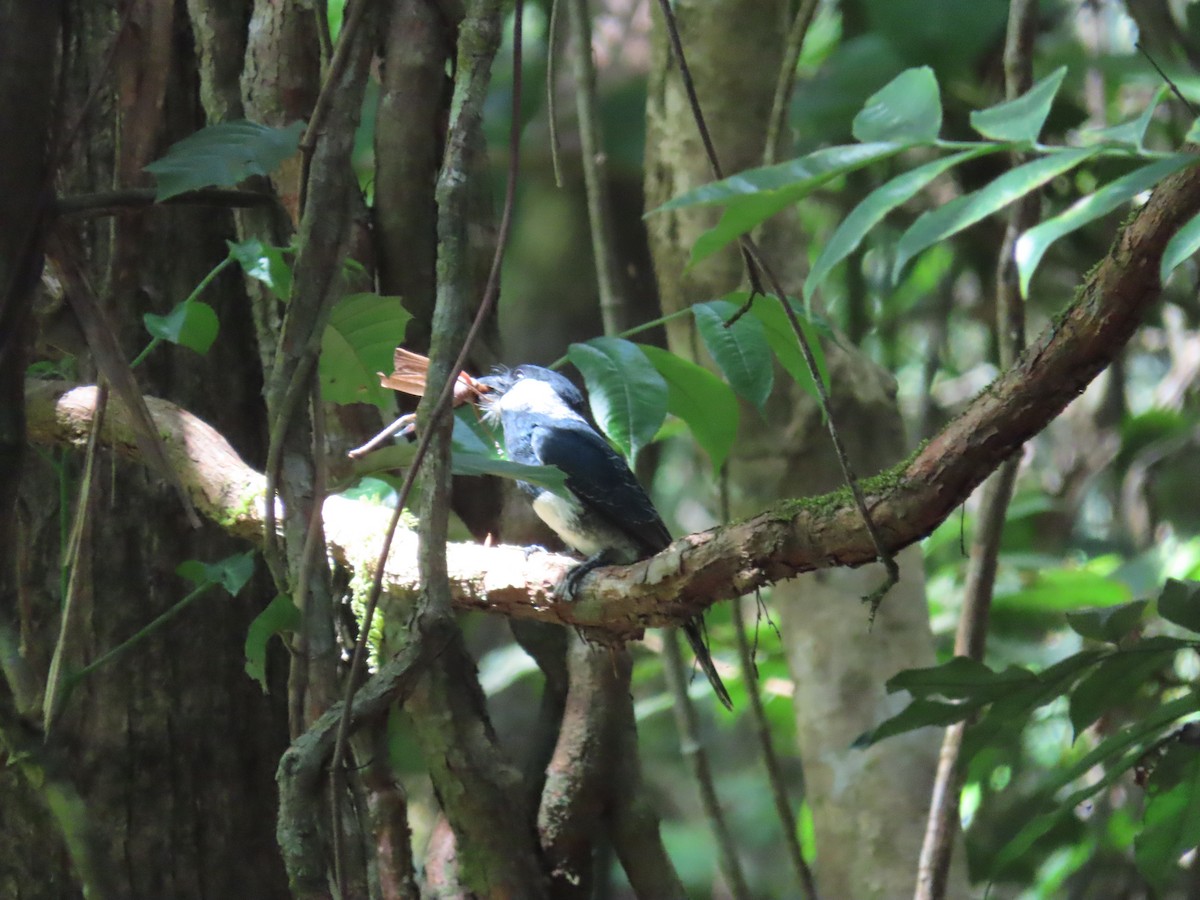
<point x="531" y="389"/>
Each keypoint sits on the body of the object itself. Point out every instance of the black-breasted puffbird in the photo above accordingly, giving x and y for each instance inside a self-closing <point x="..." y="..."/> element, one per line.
<point x="608" y="517"/>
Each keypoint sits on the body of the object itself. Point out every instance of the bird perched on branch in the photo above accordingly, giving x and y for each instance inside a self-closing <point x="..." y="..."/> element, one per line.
<point x="608" y="517"/>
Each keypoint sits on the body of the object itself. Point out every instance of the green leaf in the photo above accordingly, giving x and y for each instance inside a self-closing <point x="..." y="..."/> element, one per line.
<point x="1132" y="133"/>
<point x="223" y="155"/>
<point x="193" y="324"/>
<point x="363" y="332"/>
<point x="627" y="395"/>
<point x="1064" y="589"/>
<point x="1179" y="602"/>
<point x="921" y="713"/>
<point x="1171" y="825"/>
<point x="231" y="573"/>
<point x="1182" y="245"/>
<point x="1020" y="120"/>
<point x="960" y="678"/>
<point x="1107" y="623"/>
<point x="280" y="616"/>
<point x="1116" y="679"/>
<point x="1032" y="245"/>
<point x="1011" y="709"/>
<point x="908" y="108"/>
<point x="962" y="212"/>
<point x="264" y="263"/>
<point x="783" y="341"/>
<point x="801" y="174"/>
<point x="464" y="462"/>
<point x="701" y="399"/>
<point x="1137" y="735"/>
<point x="749" y="205"/>
<point x="875" y="206"/>
<point x="741" y="351"/>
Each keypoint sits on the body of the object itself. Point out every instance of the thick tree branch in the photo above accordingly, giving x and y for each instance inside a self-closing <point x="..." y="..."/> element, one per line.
<point x="791" y="537"/>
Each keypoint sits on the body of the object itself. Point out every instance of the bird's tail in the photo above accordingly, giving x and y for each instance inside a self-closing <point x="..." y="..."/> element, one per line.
<point x="694" y="630"/>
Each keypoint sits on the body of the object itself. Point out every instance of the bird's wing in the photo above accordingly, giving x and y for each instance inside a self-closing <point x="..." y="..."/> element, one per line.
<point x="599" y="477"/>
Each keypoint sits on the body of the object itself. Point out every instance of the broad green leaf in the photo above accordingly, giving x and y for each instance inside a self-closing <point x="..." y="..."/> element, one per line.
<point x="1032" y="245"/>
<point x="908" y="108"/>
<point x="264" y="263"/>
<point x="1131" y="133"/>
<point x="1010" y="710"/>
<point x="921" y="713"/>
<point x="875" y="206"/>
<point x="362" y="334"/>
<point x="962" y="212"/>
<point x="747" y="208"/>
<point x="701" y="399"/>
<point x="1108" y="623"/>
<point x="468" y="463"/>
<point x="1020" y="120"/>
<point x="1171" y="824"/>
<point x="784" y="342"/>
<point x="740" y="351"/>
<point x="193" y="324"/>
<point x="1116" y="679"/>
<point x="1185" y="242"/>
<point x="280" y="616"/>
<point x="1179" y="602"/>
<point x="1137" y="735"/>
<point x="960" y="678"/>
<point x="1065" y="589"/>
<point x="231" y="573"/>
<point x="223" y="155"/>
<point x="627" y="395"/>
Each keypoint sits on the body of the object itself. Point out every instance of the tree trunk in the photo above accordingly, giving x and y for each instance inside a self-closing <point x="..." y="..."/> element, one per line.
<point x="172" y="748"/>
<point x="839" y="663"/>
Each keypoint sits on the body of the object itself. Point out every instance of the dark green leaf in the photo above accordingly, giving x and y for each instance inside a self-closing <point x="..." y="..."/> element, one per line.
<point x="1171" y="825"/>
<point x="1032" y="245"/>
<point x="627" y="395"/>
<point x="280" y="616"/>
<point x="193" y="324"/>
<point x="1116" y="679"/>
<point x="1012" y="709"/>
<point x="222" y="155"/>
<point x="741" y="351"/>
<point x="1179" y="602"/>
<point x="700" y="399"/>
<point x="265" y="264"/>
<point x="1107" y="623"/>
<point x="363" y="332"/>
<point x="960" y="679"/>
<point x="908" y="108"/>
<point x="875" y="206"/>
<point x="1020" y="120"/>
<point x="920" y="713"/>
<point x="1138" y="735"/>
<point x="1180" y="248"/>
<point x="962" y="212"/>
<point x="549" y="477"/>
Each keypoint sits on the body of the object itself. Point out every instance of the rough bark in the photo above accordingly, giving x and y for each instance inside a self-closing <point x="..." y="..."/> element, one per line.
<point x="170" y="746"/>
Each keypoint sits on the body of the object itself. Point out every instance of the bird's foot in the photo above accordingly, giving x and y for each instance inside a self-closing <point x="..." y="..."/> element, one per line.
<point x="568" y="588"/>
